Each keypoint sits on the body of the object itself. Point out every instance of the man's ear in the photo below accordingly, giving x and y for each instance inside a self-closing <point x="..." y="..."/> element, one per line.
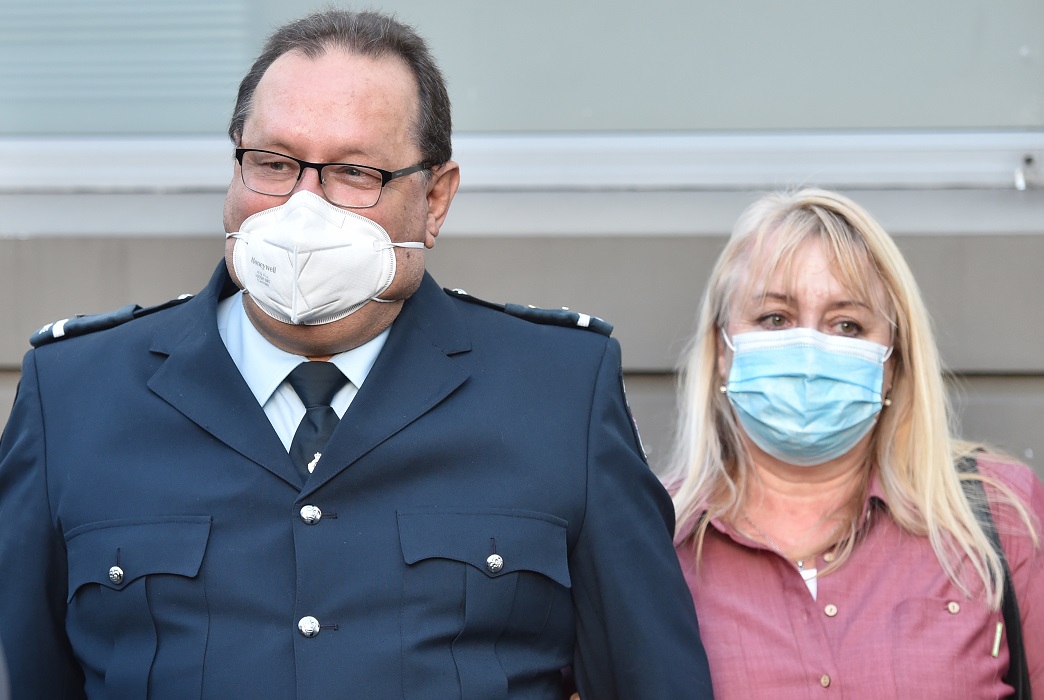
<point x="445" y="179"/>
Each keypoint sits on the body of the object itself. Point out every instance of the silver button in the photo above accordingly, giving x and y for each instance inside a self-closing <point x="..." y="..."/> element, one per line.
<point x="311" y="514"/>
<point x="309" y="626"/>
<point x="494" y="562"/>
<point x="116" y="575"/>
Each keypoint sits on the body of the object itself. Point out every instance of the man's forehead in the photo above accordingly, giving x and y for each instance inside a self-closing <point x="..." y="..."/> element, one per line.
<point x="337" y="71"/>
<point x="334" y="93"/>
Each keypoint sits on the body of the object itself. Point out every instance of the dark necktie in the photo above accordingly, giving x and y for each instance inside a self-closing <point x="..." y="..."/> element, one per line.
<point x="316" y="383"/>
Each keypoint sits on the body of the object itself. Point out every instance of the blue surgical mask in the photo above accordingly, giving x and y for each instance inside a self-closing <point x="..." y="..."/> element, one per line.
<point x="802" y="396"/>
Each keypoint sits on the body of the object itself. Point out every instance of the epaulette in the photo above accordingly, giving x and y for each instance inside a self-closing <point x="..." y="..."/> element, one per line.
<point x="553" y="317"/>
<point x="83" y="324"/>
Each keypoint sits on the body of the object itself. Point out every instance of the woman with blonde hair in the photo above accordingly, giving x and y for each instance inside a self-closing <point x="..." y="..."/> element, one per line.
<point x="827" y="534"/>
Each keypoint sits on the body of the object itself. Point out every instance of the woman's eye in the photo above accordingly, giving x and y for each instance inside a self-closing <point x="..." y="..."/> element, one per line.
<point x="773" y="321"/>
<point x="849" y="328"/>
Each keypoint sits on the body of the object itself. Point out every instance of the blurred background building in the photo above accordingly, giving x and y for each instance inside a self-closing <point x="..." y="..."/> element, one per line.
<point x="606" y="149"/>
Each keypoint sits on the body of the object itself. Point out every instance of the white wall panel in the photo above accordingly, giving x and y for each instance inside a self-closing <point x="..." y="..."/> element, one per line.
<point x="160" y="67"/>
<point x="120" y="66"/>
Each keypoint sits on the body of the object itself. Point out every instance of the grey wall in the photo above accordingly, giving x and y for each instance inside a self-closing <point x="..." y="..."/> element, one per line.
<point x="982" y="285"/>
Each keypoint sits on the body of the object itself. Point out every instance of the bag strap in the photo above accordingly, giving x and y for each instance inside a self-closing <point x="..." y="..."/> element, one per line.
<point x="1018" y="669"/>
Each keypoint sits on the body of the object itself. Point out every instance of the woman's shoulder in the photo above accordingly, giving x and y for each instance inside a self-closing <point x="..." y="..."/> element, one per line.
<point x="1012" y="474"/>
<point x="1008" y="479"/>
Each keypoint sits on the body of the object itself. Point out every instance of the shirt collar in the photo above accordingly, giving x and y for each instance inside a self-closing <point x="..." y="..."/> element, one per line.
<point x="264" y="366"/>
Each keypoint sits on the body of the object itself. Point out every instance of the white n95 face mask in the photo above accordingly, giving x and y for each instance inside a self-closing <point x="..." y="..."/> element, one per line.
<point x="308" y="262"/>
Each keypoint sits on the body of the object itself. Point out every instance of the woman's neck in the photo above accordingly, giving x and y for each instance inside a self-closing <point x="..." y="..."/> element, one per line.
<point x="801" y="511"/>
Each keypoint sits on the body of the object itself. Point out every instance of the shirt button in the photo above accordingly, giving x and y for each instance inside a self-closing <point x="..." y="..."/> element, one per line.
<point x="494" y="562"/>
<point x="116" y="575"/>
<point x="824" y="680"/>
<point x="828" y="557"/>
<point x="309" y="626"/>
<point x="830" y="611"/>
<point x="311" y="514"/>
<point x="954" y="607"/>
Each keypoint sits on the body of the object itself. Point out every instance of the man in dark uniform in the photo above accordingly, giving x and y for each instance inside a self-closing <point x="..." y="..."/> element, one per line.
<point x="324" y="476"/>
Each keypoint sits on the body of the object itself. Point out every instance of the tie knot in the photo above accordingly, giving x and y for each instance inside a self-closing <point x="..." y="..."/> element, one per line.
<point x="316" y="382"/>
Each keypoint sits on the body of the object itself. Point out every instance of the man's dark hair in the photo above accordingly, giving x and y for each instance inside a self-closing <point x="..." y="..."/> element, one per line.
<point x="366" y="34"/>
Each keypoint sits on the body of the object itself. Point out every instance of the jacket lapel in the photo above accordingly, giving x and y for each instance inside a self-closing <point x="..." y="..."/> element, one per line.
<point x="201" y="381"/>
<point x="412" y="375"/>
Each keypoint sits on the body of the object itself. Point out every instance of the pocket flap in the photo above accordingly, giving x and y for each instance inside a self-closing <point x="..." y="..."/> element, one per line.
<point x="136" y="547"/>
<point x="524" y="540"/>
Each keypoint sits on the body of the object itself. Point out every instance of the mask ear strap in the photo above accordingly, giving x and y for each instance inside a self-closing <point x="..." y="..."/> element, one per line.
<point x="725" y="337"/>
<point x="393" y="244"/>
<point x="891" y="342"/>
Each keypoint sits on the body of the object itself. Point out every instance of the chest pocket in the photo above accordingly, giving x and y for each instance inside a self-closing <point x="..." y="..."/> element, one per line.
<point x="930" y="635"/>
<point x="477" y="587"/>
<point x="133" y="583"/>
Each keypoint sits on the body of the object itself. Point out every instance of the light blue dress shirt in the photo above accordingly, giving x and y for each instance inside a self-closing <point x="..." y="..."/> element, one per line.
<point x="264" y="368"/>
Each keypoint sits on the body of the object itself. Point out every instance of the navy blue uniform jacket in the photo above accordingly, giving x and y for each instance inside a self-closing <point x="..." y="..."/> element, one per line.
<point x="141" y="447"/>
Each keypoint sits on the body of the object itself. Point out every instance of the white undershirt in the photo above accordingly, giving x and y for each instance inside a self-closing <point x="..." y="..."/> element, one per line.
<point x="810" y="580"/>
<point x="264" y="368"/>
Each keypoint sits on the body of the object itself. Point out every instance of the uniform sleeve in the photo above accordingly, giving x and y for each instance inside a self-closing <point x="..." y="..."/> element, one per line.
<point x="637" y="635"/>
<point x="32" y="555"/>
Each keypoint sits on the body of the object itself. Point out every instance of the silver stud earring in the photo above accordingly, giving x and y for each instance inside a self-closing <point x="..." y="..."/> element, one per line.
<point x="887" y="400"/>
<point x="723" y="389"/>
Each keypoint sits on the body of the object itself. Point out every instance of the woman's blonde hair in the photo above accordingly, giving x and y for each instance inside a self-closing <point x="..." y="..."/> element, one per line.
<point x="913" y="449"/>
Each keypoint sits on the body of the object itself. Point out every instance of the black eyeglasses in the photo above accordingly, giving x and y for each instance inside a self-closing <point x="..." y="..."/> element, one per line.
<point x="345" y="184"/>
